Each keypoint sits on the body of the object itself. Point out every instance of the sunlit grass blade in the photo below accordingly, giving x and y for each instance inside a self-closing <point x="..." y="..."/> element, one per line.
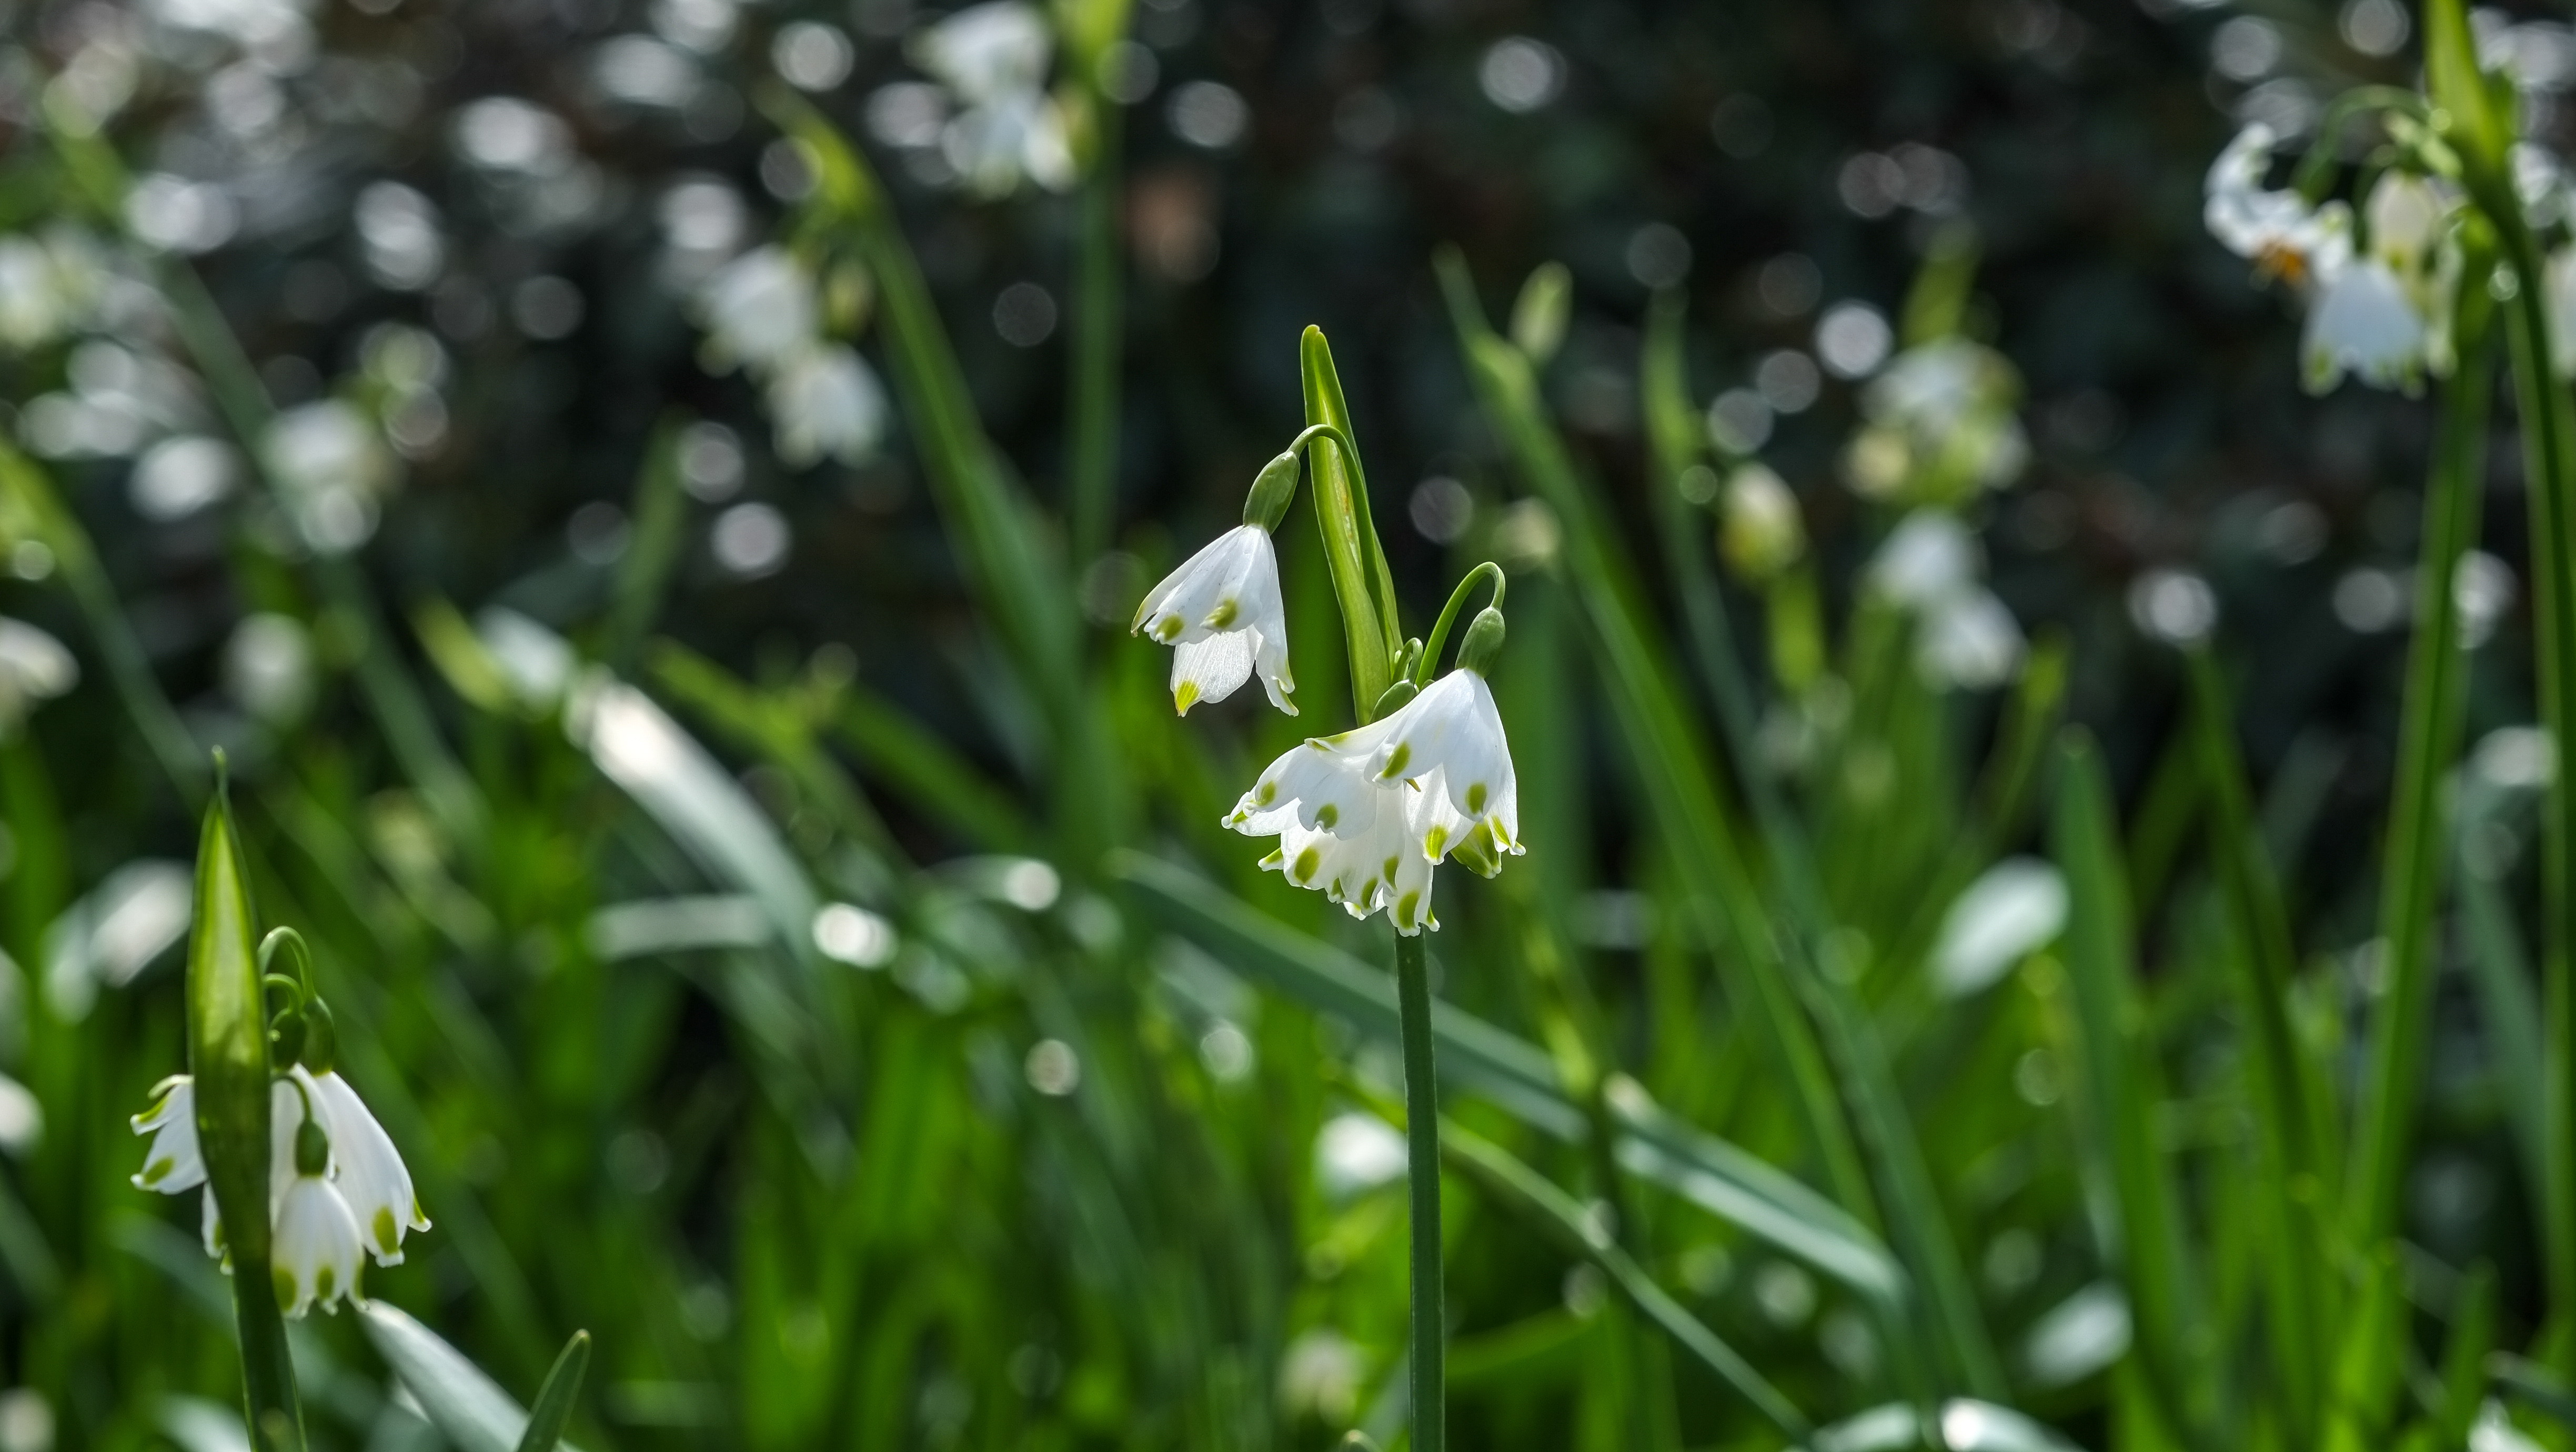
<point x="2120" y="1090"/>
<point x="464" y="1404"/>
<point x="1699" y="830"/>
<point x="1524" y="1190"/>
<point x="557" y="1398"/>
<point x="2428" y="742"/>
<point x="782" y="726"/>
<point x="1519" y="1077"/>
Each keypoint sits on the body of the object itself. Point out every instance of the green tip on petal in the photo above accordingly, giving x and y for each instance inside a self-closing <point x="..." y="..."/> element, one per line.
<point x="1185" y="695"/>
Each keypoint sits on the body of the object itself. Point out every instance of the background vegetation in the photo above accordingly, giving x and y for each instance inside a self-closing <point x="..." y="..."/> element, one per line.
<point x="780" y="919"/>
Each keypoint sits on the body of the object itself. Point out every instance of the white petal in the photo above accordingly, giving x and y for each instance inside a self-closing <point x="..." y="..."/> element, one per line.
<point x="372" y="1177"/>
<point x="1185" y="606"/>
<point x="171" y="1162"/>
<point x="211" y="1226"/>
<point x="2363" y="322"/>
<point x="286" y="1112"/>
<point x="1210" y="669"/>
<point x="316" y="1250"/>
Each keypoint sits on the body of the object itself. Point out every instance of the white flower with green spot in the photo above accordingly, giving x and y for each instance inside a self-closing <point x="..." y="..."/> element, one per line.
<point x="370" y="1173"/>
<point x="1364" y="816"/>
<point x="315" y="1251"/>
<point x="1222" y="615"/>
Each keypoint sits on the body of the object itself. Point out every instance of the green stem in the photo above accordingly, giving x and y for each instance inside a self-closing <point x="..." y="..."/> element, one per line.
<point x="2429" y="737"/>
<point x="1422" y="1182"/>
<point x="1091" y="444"/>
<point x="1449" y="616"/>
<point x="2549" y="449"/>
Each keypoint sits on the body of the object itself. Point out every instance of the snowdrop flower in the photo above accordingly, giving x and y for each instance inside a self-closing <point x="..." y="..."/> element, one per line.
<point x="2362" y="322"/>
<point x="826" y="402"/>
<point x="369" y="1172"/>
<point x="1964" y="635"/>
<point x="1365" y="815"/>
<point x="760" y="310"/>
<point x="1222" y="614"/>
<point x="315" y="1250"/>
<point x="993" y="57"/>
<point x="1941" y="425"/>
<point x="2279" y="230"/>
<point x="171" y="1163"/>
<point x="33" y="667"/>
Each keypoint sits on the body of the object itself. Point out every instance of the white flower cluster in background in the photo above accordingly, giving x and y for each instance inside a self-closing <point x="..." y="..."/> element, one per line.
<point x="1965" y="636"/>
<point x="1940" y="426"/>
<point x="2378" y="303"/>
<point x="1000" y="126"/>
<point x="34" y="667"/>
<point x="763" y="312"/>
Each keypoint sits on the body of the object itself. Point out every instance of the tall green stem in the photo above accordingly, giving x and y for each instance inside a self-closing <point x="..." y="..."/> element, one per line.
<point x="1091" y="443"/>
<point x="2549" y="449"/>
<point x="1422" y="1188"/>
<point x="2429" y="737"/>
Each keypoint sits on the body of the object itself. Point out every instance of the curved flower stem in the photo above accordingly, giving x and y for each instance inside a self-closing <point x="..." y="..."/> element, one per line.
<point x="2314" y="167"/>
<point x="1449" y="616"/>
<point x="1422" y="1188"/>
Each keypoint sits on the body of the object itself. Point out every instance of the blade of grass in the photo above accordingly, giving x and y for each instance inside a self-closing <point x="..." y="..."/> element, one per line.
<point x="779" y="725"/>
<point x="2121" y="1088"/>
<point x="2287" y="1123"/>
<point x="556" y="1399"/>
<point x="2507" y="1008"/>
<point x="466" y="1406"/>
<point x="1692" y="815"/>
<point x="642" y="576"/>
<point x="2428" y="743"/>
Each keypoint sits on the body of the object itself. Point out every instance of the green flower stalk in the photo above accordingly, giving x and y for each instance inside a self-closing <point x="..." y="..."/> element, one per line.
<point x="1366" y="816"/>
<point x="228" y="1060"/>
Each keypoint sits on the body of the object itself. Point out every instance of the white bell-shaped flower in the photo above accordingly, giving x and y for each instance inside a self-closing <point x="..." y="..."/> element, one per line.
<point x="1222" y="614"/>
<point x="314" y="1249"/>
<point x="825" y="401"/>
<point x="1365" y="861"/>
<point x="2361" y="321"/>
<point x="993" y="58"/>
<point x="760" y="310"/>
<point x="1447" y="747"/>
<point x="2281" y="230"/>
<point x="987" y="52"/>
<point x="368" y="1171"/>
<point x="171" y="1162"/>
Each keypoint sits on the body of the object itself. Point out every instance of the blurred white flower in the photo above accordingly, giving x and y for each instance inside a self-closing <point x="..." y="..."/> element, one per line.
<point x="33" y="667"/>
<point x="760" y="309"/>
<point x="2016" y="908"/>
<point x="49" y="286"/>
<point x="333" y="468"/>
<point x="179" y="476"/>
<point x="1760" y="531"/>
<point x="826" y="402"/>
<point x="2361" y="322"/>
<point x="1941" y="426"/>
<point x="1222" y="614"/>
<point x="268" y="667"/>
<point x="1965" y="637"/>
<point x="993" y="58"/>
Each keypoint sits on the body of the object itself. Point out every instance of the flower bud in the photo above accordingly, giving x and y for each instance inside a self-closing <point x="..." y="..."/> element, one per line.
<point x="1484" y="642"/>
<point x="1267" y="504"/>
<point x="1760" y="531"/>
<point x="321" y="1051"/>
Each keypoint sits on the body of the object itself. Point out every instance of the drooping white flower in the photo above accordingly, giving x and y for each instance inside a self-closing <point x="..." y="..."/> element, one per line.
<point x="314" y="1248"/>
<point x="760" y="309"/>
<point x="993" y="58"/>
<point x="332" y="465"/>
<point x="33" y="667"/>
<point x="1928" y="556"/>
<point x="1969" y="639"/>
<point x="1941" y="425"/>
<point x="171" y="1163"/>
<point x="370" y="1174"/>
<point x="1964" y="635"/>
<point x="1221" y="612"/>
<point x="825" y="402"/>
<point x="2361" y="321"/>
<point x="2248" y="218"/>
<point x="1364" y="816"/>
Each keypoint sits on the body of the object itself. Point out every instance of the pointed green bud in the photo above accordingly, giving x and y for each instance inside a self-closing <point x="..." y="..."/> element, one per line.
<point x="287" y="1035"/>
<point x="1267" y="504"/>
<point x="228" y="1033"/>
<point x="1484" y="641"/>
<point x="1538" y="315"/>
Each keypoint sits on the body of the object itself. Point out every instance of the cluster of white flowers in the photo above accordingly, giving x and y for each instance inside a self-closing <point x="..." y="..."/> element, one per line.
<point x="1965" y="636"/>
<point x="1940" y="426"/>
<point x="50" y="286"/>
<point x="993" y="59"/>
<point x="337" y="1187"/>
<point x="1362" y="817"/>
<point x="763" y="312"/>
<point x="2380" y="311"/>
